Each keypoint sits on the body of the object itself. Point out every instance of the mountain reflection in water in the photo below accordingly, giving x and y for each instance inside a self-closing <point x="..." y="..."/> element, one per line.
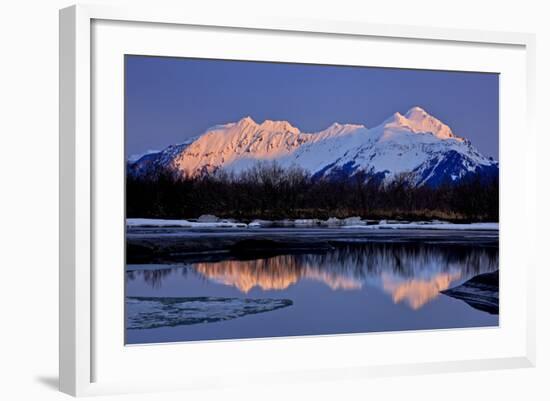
<point x="412" y="274"/>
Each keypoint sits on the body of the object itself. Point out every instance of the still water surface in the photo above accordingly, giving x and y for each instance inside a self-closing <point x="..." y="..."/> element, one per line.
<point x="367" y="287"/>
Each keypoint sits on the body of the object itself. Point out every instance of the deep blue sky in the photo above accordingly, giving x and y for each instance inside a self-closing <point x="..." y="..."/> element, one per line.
<point x="170" y="99"/>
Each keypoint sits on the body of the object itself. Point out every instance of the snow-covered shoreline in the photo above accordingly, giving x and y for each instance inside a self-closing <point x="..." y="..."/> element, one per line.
<point x="349" y="223"/>
<point x="183" y="223"/>
<point x="430" y="226"/>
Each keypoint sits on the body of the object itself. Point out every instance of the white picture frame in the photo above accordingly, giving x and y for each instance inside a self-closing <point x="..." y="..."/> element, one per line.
<point x="79" y="152"/>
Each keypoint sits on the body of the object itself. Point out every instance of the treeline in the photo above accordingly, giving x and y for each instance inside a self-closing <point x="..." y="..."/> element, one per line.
<point x="268" y="191"/>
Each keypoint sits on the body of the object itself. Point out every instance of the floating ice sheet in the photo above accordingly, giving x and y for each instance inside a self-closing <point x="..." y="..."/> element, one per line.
<point x="154" y="312"/>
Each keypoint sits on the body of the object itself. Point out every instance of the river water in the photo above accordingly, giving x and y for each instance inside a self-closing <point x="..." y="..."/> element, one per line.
<point x="369" y="284"/>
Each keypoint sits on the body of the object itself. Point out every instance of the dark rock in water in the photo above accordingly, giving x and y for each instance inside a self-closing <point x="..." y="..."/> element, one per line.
<point x="260" y="246"/>
<point x="155" y="312"/>
<point x="480" y="292"/>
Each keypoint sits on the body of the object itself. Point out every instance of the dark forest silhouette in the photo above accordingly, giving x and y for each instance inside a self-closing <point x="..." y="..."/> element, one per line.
<point x="269" y="191"/>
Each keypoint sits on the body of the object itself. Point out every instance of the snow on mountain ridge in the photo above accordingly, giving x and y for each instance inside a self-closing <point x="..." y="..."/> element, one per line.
<point x="418" y="120"/>
<point x="416" y="143"/>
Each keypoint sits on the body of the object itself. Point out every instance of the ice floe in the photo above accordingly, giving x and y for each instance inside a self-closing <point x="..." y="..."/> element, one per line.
<point x="155" y="312"/>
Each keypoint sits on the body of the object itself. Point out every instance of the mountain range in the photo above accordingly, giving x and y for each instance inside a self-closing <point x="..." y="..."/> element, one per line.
<point x="415" y="145"/>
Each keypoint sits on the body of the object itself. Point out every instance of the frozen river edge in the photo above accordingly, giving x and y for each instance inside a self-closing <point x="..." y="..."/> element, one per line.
<point x="168" y="244"/>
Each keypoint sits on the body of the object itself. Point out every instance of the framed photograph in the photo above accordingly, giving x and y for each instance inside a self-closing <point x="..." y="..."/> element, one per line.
<point x="279" y="200"/>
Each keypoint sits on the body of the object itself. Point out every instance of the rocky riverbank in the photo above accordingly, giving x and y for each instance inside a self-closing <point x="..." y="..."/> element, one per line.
<point x="480" y="292"/>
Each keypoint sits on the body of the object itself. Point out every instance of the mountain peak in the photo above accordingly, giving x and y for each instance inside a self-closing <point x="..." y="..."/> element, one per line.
<point x="416" y="112"/>
<point x="395" y="119"/>
<point x="278" y="126"/>
<point x="246" y="121"/>
<point x="420" y="121"/>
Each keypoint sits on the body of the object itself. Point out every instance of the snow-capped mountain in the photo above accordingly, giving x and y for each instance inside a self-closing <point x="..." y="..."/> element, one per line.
<point x="415" y="144"/>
